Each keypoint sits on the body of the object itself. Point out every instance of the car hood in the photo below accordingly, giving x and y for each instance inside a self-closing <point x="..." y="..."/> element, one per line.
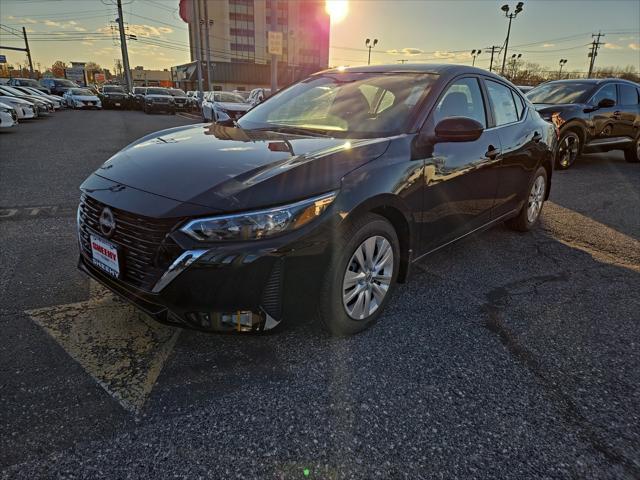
<point x="6" y="105"/>
<point x="231" y="169"/>
<point x="242" y="107"/>
<point x="17" y="100"/>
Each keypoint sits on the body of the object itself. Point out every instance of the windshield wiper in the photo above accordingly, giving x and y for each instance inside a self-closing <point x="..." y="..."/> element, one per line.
<point x="291" y="129"/>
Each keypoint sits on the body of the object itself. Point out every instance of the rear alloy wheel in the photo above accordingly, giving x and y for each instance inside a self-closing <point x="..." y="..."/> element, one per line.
<point x="361" y="276"/>
<point x="568" y="150"/>
<point x="530" y="213"/>
<point x="632" y="154"/>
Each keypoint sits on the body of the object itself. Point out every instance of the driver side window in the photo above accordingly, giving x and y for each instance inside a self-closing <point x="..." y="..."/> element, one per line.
<point x="608" y="91"/>
<point x="463" y="98"/>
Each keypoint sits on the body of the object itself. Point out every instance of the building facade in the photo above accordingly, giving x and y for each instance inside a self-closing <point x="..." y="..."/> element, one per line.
<point x="238" y="31"/>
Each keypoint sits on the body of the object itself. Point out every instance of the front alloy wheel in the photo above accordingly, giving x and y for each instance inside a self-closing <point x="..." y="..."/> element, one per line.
<point x="361" y="275"/>
<point x="368" y="277"/>
<point x="536" y="198"/>
<point x="568" y="150"/>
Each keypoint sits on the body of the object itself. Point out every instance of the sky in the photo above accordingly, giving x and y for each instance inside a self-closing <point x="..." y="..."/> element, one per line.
<point x="413" y="30"/>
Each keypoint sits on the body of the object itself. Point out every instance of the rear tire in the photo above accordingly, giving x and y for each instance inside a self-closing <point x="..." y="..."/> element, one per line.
<point x="361" y="276"/>
<point x="632" y="154"/>
<point x="532" y="208"/>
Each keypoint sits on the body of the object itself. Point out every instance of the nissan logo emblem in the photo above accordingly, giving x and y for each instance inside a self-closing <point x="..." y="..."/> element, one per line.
<point x="107" y="222"/>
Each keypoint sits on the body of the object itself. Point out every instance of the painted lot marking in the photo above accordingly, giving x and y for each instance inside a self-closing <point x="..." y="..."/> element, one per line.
<point x="22" y="213"/>
<point x="122" y="349"/>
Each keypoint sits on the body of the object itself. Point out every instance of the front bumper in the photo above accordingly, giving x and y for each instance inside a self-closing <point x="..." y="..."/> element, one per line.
<point x="160" y="107"/>
<point x="217" y="289"/>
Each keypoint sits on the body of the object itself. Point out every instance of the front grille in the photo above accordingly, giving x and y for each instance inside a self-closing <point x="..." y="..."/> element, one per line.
<point x="144" y="248"/>
<point x="160" y="100"/>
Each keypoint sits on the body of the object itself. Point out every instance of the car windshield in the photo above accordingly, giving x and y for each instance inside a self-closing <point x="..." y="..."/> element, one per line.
<point x="227" y="97"/>
<point x="157" y="91"/>
<point x="65" y="83"/>
<point x="345" y="104"/>
<point x="138" y="90"/>
<point x="13" y="91"/>
<point x="176" y="92"/>
<point x="30" y="83"/>
<point x="80" y="91"/>
<point x="559" y="93"/>
<point x="113" y="89"/>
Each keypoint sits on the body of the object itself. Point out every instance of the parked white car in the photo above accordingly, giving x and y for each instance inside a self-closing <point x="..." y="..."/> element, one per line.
<point x="81" y="98"/>
<point x="220" y="106"/>
<point x="57" y="101"/>
<point x="24" y="109"/>
<point x="8" y="116"/>
<point x="258" y="95"/>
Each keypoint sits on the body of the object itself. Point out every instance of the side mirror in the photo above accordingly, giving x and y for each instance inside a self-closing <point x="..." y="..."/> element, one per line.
<point x="606" y="103"/>
<point x="458" y="129"/>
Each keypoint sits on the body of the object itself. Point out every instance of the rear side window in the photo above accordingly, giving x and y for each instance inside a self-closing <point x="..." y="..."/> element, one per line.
<point x="608" y="91"/>
<point x="519" y="104"/>
<point x="504" y="107"/>
<point x="628" y="94"/>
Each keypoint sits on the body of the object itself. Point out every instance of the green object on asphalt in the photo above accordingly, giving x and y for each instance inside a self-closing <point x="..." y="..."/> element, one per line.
<point x="306" y="472"/>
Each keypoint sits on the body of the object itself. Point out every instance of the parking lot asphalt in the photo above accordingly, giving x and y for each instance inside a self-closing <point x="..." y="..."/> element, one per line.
<point x="505" y="356"/>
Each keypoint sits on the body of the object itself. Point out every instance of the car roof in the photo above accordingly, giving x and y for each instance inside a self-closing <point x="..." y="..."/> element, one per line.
<point x="593" y="81"/>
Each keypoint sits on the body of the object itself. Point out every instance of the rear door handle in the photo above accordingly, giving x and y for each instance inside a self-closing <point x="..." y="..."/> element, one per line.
<point x="537" y="137"/>
<point x="492" y="152"/>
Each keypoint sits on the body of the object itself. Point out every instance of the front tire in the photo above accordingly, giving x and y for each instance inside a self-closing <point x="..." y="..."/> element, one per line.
<point x="568" y="150"/>
<point x="361" y="276"/>
<point x="532" y="208"/>
<point x="632" y="154"/>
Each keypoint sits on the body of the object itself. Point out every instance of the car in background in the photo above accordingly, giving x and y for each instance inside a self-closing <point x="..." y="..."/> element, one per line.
<point x="114" y="96"/>
<point x="57" y="86"/>
<point x="27" y="82"/>
<point x="138" y="97"/>
<point x="4" y="80"/>
<point x="8" y="116"/>
<point x="43" y="106"/>
<point x="218" y="225"/>
<point x="56" y="101"/>
<point x="592" y="115"/>
<point x="182" y="101"/>
<point x="222" y="106"/>
<point x="525" y="88"/>
<point x="157" y="99"/>
<point x="258" y="95"/>
<point x="81" y="98"/>
<point x="243" y="93"/>
<point x="25" y="110"/>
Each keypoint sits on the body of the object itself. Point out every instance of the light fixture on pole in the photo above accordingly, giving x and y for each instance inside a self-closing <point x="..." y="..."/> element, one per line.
<point x="514" y="64"/>
<point x="474" y="54"/>
<point x="369" y="44"/>
<point x="510" y="16"/>
<point x="563" y="62"/>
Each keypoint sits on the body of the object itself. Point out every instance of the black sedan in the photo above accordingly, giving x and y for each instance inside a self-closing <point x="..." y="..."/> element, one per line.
<point x="114" y="96"/>
<point x="325" y="194"/>
<point x="593" y="116"/>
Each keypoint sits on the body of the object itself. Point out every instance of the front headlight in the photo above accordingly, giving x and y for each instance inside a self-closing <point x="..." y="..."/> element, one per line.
<point x="5" y="110"/>
<point x="260" y="224"/>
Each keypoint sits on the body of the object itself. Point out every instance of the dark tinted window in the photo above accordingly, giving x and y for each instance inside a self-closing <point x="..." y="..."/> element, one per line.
<point x="462" y="99"/>
<point x="608" y="91"/>
<point x="112" y="89"/>
<point x="504" y="107"/>
<point x="628" y="94"/>
<point x="157" y="91"/>
<point x="560" y="92"/>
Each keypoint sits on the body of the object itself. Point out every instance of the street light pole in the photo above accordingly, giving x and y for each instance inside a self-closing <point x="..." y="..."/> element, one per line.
<point x="369" y="44"/>
<point x="563" y="62"/>
<point x="474" y="54"/>
<point x="510" y="16"/>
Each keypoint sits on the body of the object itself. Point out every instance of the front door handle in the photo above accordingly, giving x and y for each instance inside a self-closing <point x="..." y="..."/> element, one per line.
<point x="537" y="137"/>
<point x="492" y="152"/>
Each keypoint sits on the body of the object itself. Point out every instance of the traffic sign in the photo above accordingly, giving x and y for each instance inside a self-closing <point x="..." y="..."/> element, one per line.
<point x="3" y="59"/>
<point x="275" y="43"/>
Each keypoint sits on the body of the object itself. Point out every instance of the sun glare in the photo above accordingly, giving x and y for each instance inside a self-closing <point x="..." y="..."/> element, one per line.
<point x="337" y="10"/>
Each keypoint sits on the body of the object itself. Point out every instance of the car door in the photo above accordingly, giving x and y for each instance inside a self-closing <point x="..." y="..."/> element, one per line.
<point x="605" y="120"/>
<point x="521" y="147"/>
<point x="460" y="177"/>
<point x="628" y="110"/>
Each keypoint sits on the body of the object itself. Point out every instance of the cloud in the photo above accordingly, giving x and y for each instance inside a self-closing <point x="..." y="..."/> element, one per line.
<point x="612" y="46"/>
<point x="628" y="37"/>
<point x="51" y="23"/>
<point x="634" y="46"/>
<point x="406" y="51"/>
<point x="87" y="42"/>
<point x="148" y="30"/>
<point x="80" y="29"/>
<point x="444" y="54"/>
<point x="548" y="45"/>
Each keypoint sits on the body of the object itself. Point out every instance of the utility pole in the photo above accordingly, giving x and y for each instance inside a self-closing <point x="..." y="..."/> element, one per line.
<point x="403" y="61"/>
<point x="274" y="58"/>
<point x="26" y="46"/>
<point x="123" y="47"/>
<point x="197" y="32"/>
<point x="594" y="52"/>
<point x="493" y="50"/>
<point x="208" y="23"/>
